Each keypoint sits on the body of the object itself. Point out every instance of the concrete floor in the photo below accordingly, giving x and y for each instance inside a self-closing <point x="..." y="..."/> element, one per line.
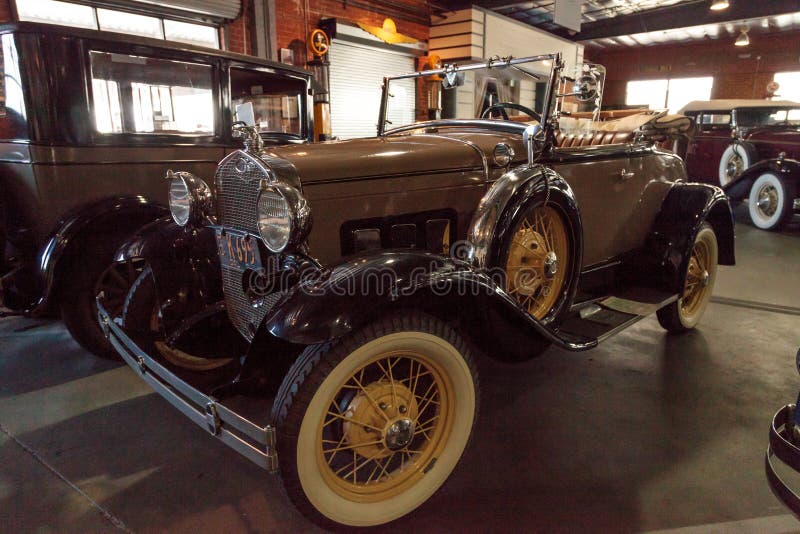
<point x="646" y="432"/>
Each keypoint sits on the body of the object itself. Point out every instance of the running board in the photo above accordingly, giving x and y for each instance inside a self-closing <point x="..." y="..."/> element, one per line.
<point x="611" y="316"/>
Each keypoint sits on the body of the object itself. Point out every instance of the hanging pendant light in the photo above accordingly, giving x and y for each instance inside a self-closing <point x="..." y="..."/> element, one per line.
<point x="743" y="39"/>
<point x="719" y="5"/>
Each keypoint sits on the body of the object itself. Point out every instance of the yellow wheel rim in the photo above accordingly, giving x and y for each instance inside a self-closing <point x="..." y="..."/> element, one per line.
<point x="385" y="427"/>
<point x="697" y="287"/>
<point x="537" y="260"/>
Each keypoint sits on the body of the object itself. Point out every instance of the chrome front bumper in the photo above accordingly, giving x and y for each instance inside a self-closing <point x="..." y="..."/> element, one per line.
<point x="796" y="205"/>
<point x="782" y="446"/>
<point x="247" y="438"/>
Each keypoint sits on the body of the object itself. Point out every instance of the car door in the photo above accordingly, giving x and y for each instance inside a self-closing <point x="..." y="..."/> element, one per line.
<point x="619" y="189"/>
<point x="705" y="150"/>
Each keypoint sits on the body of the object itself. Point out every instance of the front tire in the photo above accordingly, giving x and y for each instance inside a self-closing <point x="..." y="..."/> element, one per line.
<point x="371" y="425"/>
<point x="684" y="314"/>
<point x="770" y="202"/>
<point x="88" y="275"/>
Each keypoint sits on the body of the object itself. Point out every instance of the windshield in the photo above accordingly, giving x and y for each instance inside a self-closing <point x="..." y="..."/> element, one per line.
<point x="749" y="118"/>
<point x="475" y="91"/>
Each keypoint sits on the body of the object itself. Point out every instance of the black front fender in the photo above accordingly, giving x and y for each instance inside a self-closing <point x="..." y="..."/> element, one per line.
<point x="123" y="214"/>
<point x="786" y="169"/>
<point x="184" y="260"/>
<point x="357" y="292"/>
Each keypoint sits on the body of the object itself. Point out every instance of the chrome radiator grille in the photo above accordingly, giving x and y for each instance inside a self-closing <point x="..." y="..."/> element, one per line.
<point x="238" y="180"/>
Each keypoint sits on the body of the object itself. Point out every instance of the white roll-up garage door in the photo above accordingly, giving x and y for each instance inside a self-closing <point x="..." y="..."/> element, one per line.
<point x="219" y="10"/>
<point x="356" y="74"/>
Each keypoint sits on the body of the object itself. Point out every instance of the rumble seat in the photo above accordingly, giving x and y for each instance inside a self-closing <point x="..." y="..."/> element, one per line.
<point x="575" y="132"/>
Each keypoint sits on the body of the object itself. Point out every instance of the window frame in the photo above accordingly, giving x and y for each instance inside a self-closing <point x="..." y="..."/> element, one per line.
<point x="153" y="138"/>
<point x="305" y="111"/>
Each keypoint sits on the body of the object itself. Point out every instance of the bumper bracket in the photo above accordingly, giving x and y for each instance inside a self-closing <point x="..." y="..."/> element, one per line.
<point x="255" y="442"/>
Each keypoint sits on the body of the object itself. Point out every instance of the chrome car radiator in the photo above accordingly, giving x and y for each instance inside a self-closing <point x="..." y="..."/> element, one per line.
<point x="238" y="180"/>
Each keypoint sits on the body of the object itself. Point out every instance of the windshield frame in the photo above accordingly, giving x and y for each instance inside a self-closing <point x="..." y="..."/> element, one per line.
<point x="556" y="66"/>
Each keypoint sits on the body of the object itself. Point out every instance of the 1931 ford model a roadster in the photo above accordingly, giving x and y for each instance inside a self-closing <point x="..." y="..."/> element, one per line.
<point x="364" y="330"/>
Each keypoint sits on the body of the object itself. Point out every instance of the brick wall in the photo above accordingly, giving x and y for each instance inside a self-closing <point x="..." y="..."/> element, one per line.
<point x="734" y="76"/>
<point x="5" y="11"/>
<point x="239" y="32"/>
<point x="296" y="18"/>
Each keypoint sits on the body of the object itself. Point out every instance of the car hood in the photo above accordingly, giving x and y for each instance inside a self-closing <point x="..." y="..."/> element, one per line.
<point x="775" y="134"/>
<point x="380" y="156"/>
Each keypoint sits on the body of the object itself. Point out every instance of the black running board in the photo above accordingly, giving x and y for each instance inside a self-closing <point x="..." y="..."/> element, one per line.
<point x="605" y="318"/>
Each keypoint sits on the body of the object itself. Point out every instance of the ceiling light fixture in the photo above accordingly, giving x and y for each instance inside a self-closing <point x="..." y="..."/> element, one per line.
<point x="743" y="39"/>
<point x="719" y="5"/>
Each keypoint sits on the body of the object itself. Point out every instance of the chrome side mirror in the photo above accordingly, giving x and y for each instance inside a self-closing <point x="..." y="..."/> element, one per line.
<point x="529" y="140"/>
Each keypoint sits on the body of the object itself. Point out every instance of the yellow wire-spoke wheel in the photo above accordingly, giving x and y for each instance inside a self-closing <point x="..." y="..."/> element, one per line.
<point x="387" y="422"/>
<point x="538" y="259"/>
<point x="701" y="272"/>
<point x="370" y="426"/>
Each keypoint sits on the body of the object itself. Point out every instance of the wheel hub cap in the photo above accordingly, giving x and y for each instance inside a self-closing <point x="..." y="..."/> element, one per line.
<point x="734" y="167"/>
<point x="368" y="411"/>
<point x="398" y="434"/>
<point x="767" y="201"/>
<point x="550" y="264"/>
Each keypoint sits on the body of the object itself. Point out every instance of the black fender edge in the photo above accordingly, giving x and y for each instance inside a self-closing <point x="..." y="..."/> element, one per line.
<point x="787" y="169"/>
<point x="121" y="213"/>
<point x="354" y="293"/>
<point x="662" y="262"/>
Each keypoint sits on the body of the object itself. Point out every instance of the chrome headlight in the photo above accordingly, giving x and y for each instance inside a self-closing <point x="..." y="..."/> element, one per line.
<point x="284" y="216"/>
<point x="190" y="198"/>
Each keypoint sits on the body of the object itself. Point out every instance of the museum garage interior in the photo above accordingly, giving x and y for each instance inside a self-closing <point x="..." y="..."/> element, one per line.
<point x="449" y="265"/>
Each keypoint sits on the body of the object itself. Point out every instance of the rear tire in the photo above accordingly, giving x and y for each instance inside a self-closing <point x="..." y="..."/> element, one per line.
<point x="401" y="394"/>
<point x="684" y="314"/>
<point x="770" y="202"/>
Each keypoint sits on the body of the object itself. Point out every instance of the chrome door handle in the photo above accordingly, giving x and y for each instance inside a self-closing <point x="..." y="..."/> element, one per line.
<point x="625" y="175"/>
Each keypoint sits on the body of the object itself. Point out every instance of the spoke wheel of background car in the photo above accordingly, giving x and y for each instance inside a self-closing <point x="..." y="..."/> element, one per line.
<point x="736" y="158"/>
<point x="537" y="259"/>
<point x="87" y="274"/>
<point x="770" y="202"/>
<point x="685" y="313"/>
<point x="141" y="318"/>
<point x="371" y="425"/>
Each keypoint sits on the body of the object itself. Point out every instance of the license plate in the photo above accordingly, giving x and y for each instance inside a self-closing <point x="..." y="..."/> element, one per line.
<point x="237" y="250"/>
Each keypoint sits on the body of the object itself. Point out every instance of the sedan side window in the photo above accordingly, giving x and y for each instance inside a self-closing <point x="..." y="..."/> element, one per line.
<point x="714" y="121"/>
<point x="135" y="94"/>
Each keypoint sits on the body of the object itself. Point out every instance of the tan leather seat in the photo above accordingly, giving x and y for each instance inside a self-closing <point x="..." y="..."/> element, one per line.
<point x="592" y="139"/>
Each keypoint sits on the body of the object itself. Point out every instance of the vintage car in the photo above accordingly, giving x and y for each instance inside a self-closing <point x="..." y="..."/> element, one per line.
<point x="89" y="124"/>
<point x="432" y="242"/>
<point x="784" y="446"/>
<point x="752" y="147"/>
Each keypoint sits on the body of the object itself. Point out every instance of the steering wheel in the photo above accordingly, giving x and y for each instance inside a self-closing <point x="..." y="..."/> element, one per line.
<point x="502" y="106"/>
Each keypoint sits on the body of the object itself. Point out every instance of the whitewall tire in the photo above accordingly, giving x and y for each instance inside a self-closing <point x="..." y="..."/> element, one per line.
<point x="370" y="426"/>
<point x="770" y="202"/>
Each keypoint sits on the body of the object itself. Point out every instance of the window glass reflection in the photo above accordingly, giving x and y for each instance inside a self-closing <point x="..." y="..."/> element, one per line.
<point x="134" y="94"/>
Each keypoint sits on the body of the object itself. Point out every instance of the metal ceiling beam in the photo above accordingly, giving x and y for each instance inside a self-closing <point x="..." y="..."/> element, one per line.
<point x="694" y="13"/>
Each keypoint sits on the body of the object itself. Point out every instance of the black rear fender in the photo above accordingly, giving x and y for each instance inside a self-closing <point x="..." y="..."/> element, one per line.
<point x="663" y="260"/>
